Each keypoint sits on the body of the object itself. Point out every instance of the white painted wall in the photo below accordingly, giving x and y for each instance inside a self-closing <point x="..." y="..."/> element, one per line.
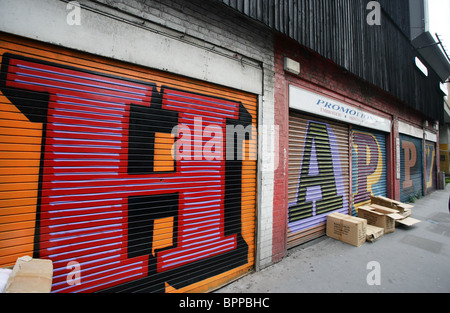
<point x="195" y="38"/>
<point x="111" y="36"/>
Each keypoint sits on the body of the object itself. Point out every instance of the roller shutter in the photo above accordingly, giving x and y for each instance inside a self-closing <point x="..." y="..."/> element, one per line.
<point x="318" y="175"/>
<point x="369" y="166"/>
<point x="411" y="168"/>
<point x="430" y="155"/>
<point x="95" y="177"/>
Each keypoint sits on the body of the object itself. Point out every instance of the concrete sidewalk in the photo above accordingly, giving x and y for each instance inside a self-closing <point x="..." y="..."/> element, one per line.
<point x="415" y="259"/>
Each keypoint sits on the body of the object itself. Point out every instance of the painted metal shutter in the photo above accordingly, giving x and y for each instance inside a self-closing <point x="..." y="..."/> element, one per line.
<point x="88" y="179"/>
<point x="444" y="155"/>
<point x="318" y="175"/>
<point x="430" y="155"/>
<point x="411" y="168"/>
<point x="369" y="166"/>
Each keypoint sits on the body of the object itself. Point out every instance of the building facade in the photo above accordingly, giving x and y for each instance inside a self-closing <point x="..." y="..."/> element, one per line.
<point x="88" y="118"/>
<point x="444" y="137"/>
<point x="345" y="142"/>
<point x="174" y="146"/>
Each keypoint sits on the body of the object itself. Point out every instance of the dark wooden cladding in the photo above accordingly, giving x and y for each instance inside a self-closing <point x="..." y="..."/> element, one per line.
<point x="398" y="11"/>
<point x="338" y="30"/>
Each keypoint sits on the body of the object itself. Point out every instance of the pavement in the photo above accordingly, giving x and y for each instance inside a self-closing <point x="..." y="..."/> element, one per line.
<point x="410" y="260"/>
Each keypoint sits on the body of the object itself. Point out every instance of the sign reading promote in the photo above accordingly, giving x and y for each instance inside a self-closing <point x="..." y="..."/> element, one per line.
<point x="314" y="103"/>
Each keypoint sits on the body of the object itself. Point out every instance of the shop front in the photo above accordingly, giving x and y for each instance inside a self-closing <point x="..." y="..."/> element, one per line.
<point x="337" y="159"/>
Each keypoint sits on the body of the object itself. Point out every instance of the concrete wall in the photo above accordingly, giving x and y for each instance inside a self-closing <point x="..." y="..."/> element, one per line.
<point x="198" y="39"/>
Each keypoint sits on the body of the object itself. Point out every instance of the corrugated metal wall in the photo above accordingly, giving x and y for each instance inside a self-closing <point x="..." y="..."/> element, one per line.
<point x="338" y="30"/>
<point x="369" y="166"/>
<point x="87" y="173"/>
<point x="411" y="168"/>
<point x="318" y="175"/>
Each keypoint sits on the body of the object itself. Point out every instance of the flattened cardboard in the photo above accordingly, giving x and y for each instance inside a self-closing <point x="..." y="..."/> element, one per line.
<point x="373" y="233"/>
<point x="30" y="276"/>
<point x="409" y="221"/>
<point x="373" y="213"/>
<point x="396" y="216"/>
<point x="383" y="209"/>
<point x="406" y="212"/>
<point x="403" y="210"/>
<point x="393" y="204"/>
<point x="347" y="228"/>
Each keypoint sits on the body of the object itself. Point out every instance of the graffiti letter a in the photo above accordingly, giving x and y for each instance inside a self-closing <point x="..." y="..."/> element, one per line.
<point x="317" y="184"/>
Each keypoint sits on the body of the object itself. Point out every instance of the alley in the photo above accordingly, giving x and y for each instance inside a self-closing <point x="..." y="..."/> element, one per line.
<point x="415" y="259"/>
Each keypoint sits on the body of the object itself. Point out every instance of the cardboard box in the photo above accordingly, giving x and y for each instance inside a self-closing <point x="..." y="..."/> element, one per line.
<point x="374" y="233"/>
<point x="380" y="216"/>
<point x="4" y="276"/>
<point x="30" y="276"/>
<point x="347" y="228"/>
<point x="403" y="208"/>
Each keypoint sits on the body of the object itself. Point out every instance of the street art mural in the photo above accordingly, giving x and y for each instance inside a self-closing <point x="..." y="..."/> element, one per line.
<point x="112" y="195"/>
<point x="321" y="183"/>
<point x="368" y="167"/>
<point x="411" y="173"/>
<point x="430" y="154"/>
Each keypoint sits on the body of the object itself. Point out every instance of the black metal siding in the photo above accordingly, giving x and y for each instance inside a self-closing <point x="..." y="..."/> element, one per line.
<point x="338" y="30"/>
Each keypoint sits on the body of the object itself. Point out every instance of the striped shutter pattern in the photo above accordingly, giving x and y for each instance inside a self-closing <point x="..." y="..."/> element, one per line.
<point x="411" y="168"/>
<point x="430" y="178"/>
<point x="369" y="166"/>
<point x="318" y="175"/>
<point x="122" y="171"/>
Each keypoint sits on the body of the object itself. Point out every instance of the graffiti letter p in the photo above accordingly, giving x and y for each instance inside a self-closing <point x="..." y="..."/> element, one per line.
<point x="410" y="161"/>
<point x="368" y="164"/>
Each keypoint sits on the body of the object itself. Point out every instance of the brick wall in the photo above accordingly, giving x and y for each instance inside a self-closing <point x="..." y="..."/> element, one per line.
<point x="281" y="173"/>
<point x="325" y="77"/>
